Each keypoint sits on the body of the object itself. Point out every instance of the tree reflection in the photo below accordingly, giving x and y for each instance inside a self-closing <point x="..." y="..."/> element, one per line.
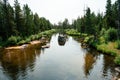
<point x="108" y="64"/>
<point x="90" y="58"/>
<point x="16" y="62"/>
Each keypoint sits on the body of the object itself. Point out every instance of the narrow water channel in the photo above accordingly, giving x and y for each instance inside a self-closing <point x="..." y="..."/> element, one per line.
<point x="59" y="62"/>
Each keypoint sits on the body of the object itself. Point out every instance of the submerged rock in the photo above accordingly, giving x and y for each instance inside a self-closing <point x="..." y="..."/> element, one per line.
<point x="117" y="74"/>
<point x="117" y="69"/>
<point x="46" y="46"/>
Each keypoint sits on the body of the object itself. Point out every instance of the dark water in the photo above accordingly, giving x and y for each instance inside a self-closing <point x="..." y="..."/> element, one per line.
<point x="66" y="62"/>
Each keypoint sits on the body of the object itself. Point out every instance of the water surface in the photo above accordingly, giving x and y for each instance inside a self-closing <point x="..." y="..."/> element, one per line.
<point x="59" y="62"/>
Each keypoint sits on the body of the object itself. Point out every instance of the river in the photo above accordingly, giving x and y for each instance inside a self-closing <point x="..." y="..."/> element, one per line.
<point x="59" y="62"/>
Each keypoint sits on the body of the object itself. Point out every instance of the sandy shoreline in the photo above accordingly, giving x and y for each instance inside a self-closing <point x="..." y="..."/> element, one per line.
<point x="25" y="45"/>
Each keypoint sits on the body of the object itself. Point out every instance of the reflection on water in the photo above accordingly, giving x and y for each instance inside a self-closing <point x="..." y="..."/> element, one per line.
<point x="108" y="66"/>
<point x="62" y="39"/>
<point x="90" y="59"/>
<point x="68" y="62"/>
<point x="103" y="63"/>
<point x="15" y="63"/>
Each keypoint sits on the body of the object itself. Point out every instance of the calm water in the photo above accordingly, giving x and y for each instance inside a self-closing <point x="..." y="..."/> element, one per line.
<point x="67" y="62"/>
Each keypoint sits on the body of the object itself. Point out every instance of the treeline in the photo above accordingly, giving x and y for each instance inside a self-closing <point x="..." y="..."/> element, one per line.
<point x="93" y="24"/>
<point x="17" y="21"/>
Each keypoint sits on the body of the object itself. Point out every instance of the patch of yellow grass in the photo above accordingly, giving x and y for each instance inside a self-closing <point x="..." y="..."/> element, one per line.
<point x="110" y="47"/>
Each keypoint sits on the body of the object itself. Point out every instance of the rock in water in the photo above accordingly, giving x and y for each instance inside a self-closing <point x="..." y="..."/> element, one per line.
<point x="117" y="69"/>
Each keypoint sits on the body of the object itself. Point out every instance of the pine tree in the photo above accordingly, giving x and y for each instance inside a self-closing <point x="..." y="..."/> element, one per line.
<point x="119" y="9"/>
<point x="74" y="24"/>
<point x="118" y="18"/>
<point x="44" y="24"/>
<point x="7" y="20"/>
<point x="19" y="19"/>
<point x="115" y="14"/>
<point x="65" y="24"/>
<point x="109" y="8"/>
<point x="78" y="24"/>
<point x="10" y="21"/>
<point x="109" y="14"/>
<point x="36" y="23"/>
<point x="5" y="16"/>
<point x="88" y="21"/>
<point x="1" y="20"/>
<point x="29" y="23"/>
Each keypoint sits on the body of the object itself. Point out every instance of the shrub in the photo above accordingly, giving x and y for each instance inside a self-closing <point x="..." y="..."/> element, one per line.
<point x="84" y="35"/>
<point x="118" y="44"/>
<point x="72" y="32"/>
<point x="101" y="48"/>
<point x="36" y="37"/>
<point x="89" y="39"/>
<point x="27" y="40"/>
<point x="21" y="42"/>
<point x="101" y="40"/>
<point x="86" y="39"/>
<point x="18" y="38"/>
<point x="39" y="35"/>
<point x="117" y="60"/>
<point x="12" y="40"/>
<point x="32" y="37"/>
<point x="102" y="32"/>
<point x="111" y="34"/>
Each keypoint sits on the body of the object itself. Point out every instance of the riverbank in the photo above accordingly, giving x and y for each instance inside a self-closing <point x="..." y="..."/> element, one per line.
<point x="18" y="41"/>
<point x="106" y="47"/>
<point x="109" y="48"/>
<point x="25" y="45"/>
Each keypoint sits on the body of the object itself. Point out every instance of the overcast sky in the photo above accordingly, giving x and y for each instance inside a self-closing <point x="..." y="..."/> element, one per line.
<point x="58" y="10"/>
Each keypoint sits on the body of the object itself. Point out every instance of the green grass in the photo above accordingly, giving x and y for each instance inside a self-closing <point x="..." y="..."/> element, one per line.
<point x="17" y="40"/>
<point x="48" y="32"/>
<point x="105" y="48"/>
<point x="37" y="36"/>
<point x="110" y="48"/>
<point x="117" y="60"/>
<point x="72" y="32"/>
<point x="21" y="42"/>
<point x="84" y="35"/>
<point x="86" y="39"/>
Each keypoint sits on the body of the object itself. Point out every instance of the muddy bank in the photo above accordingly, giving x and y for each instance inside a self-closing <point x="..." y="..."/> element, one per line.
<point x="36" y="42"/>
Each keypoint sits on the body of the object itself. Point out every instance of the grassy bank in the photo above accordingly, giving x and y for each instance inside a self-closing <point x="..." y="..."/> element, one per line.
<point x="72" y="32"/>
<point x="17" y="40"/>
<point x="107" y="47"/>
